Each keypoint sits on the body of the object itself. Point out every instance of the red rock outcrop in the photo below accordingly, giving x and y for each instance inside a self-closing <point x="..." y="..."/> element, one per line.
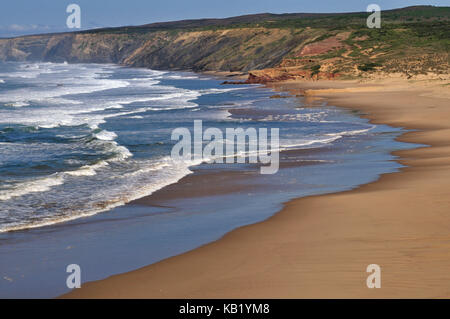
<point x="277" y="75"/>
<point x="324" y="46"/>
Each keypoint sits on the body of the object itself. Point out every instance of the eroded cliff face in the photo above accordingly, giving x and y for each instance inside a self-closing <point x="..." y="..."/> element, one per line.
<point x="267" y="47"/>
<point x="225" y="50"/>
<point x="70" y="47"/>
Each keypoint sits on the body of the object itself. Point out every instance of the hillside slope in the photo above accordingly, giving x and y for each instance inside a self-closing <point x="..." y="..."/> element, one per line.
<point x="412" y="41"/>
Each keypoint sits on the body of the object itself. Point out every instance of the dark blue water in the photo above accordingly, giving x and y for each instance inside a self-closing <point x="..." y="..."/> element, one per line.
<point x="83" y="140"/>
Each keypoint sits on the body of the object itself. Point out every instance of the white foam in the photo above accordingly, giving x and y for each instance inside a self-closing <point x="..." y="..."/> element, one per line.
<point x="153" y="73"/>
<point x="106" y="135"/>
<point x="49" y="95"/>
<point x="143" y="82"/>
<point x="333" y="137"/>
<point x="122" y="153"/>
<point x="305" y="117"/>
<point x="17" y="104"/>
<point x="34" y="186"/>
<point x="217" y="91"/>
<point x="167" y="175"/>
<point x="354" y="132"/>
<point x="32" y="71"/>
<point x="62" y="110"/>
<point x="292" y="144"/>
<point x="87" y="170"/>
<point x="181" y="77"/>
<point x="87" y="80"/>
<point x="91" y="189"/>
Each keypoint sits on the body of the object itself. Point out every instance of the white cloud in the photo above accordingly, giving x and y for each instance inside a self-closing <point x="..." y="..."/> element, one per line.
<point x="26" y="27"/>
<point x="13" y="30"/>
<point x="16" y="27"/>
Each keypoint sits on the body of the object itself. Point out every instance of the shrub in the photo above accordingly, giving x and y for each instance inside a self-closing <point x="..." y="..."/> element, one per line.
<point x="368" y="66"/>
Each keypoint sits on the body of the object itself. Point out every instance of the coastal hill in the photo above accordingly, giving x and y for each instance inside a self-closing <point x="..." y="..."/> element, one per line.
<point x="412" y="41"/>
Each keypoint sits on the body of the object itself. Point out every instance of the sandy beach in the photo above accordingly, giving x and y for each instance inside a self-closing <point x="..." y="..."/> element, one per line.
<point x="320" y="246"/>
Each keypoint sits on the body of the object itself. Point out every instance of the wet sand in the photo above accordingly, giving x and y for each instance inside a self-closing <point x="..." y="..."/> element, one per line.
<point x="320" y="246"/>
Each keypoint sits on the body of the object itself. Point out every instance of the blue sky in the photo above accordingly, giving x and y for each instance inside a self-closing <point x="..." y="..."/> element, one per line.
<point x="19" y="17"/>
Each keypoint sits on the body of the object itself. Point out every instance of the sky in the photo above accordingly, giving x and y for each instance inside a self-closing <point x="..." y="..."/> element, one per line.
<point x="19" y="17"/>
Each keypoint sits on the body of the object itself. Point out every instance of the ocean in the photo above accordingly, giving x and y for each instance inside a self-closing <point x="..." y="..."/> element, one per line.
<point x="86" y="175"/>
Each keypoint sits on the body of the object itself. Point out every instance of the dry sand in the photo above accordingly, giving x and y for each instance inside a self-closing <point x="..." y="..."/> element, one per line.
<point x="320" y="246"/>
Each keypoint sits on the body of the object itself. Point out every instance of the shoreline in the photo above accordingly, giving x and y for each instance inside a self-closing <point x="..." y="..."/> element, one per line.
<point x="291" y="256"/>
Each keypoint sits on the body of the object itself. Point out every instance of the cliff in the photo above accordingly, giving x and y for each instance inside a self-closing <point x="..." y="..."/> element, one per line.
<point x="412" y="41"/>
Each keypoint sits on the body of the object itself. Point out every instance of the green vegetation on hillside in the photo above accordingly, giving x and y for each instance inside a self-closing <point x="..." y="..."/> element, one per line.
<point x="413" y="40"/>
